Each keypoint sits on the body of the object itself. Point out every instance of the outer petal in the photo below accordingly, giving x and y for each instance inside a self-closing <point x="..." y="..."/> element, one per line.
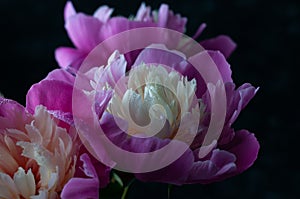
<point x="222" y="43"/>
<point x="209" y="59"/>
<point x="55" y="95"/>
<point x="13" y="115"/>
<point x="245" y="147"/>
<point x="69" y="57"/>
<point x="61" y="75"/>
<point x="69" y="10"/>
<point x="176" y="173"/>
<point x="84" y="31"/>
<point x="220" y="164"/>
<point x="83" y="187"/>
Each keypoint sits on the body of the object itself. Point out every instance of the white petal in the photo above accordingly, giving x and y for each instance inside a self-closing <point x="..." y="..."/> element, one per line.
<point x="25" y="183"/>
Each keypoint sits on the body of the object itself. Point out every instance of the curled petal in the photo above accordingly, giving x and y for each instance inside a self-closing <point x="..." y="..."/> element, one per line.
<point x="83" y="187"/>
<point x="222" y="43"/>
<point x="245" y="147"/>
<point x="220" y="164"/>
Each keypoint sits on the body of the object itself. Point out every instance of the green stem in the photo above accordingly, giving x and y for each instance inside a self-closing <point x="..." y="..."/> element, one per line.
<point x="126" y="189"/>
<point x="169" y="191"/>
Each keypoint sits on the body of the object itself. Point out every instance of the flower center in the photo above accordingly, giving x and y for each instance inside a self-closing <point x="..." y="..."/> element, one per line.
<point x="154" y="102"/>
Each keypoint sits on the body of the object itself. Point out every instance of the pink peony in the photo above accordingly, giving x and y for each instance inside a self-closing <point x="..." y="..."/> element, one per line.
<point x="86" y="31"/>
<point x="38" y="159"/>
<point x="140" y="102"/>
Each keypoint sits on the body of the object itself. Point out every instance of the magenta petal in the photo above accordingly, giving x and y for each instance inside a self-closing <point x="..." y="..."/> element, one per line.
<point x="83" y="187"/>
<point x="55" y="95"/>
<point x="222" y="64"/>
<point x="238" y="99"/>
<point x="157" y="55"/>
<point x="245" y="147"/>
<point x="66" y="56"/>
<point x="84" y="31"/>
<point x="176" y="173"/>
<point x="220" y="165"/>
<point x="13" y="115"/>
<point x="222" y="43"/>
<point x="163" y="13"/>
<point x="61" y="75"/>
<point x="69" y="10"/>
<point x="78" y="188"/>
<point x="119" y="24"/>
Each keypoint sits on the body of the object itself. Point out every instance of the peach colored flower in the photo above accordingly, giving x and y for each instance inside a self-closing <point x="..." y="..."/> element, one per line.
<point x="37" y="157"/>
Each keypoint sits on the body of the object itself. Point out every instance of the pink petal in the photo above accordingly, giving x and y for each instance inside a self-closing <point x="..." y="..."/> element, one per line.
<point x="66" y="57"/>
<point x="83" y="187"/>
<point x="245" y="147"/>
<point x="163" y="14"/>
<point x="222" y="43"/>
<point x="69" y="10"/>
<point x="143" y="13"/>
<point x="61" y="75"/>
<point x="103" y="13"/>
<point x="54" y="94"/>
<point x="222" y="64"/>
<point x="84" y="31"/>
<point x="13" y="115"/>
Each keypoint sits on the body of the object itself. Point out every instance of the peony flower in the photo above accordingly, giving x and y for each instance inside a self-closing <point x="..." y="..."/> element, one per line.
<point x="39" y="158"/>
<point x="141" y="110"/>
<point x="86" y="31"/>
<point x="154" y="98"/>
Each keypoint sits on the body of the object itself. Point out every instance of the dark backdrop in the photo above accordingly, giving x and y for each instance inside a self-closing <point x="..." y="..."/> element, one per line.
<point x="267" y="33"/>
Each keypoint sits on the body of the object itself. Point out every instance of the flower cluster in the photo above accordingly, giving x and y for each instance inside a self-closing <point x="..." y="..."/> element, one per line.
<point x="162" y="111"/>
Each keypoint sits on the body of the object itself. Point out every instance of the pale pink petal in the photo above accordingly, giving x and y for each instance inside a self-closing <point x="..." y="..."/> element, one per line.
<point x="69" y="10"/>
<point x="103" y="13"/>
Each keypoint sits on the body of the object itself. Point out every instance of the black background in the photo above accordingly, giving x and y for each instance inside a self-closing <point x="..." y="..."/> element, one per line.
<point x="267" y="33"/>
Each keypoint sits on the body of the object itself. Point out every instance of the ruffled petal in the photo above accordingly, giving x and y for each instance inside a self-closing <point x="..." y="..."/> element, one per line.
<point x="222" y="43"/>
<point x="245" y="147"/>
<point x="217" y="167"/>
